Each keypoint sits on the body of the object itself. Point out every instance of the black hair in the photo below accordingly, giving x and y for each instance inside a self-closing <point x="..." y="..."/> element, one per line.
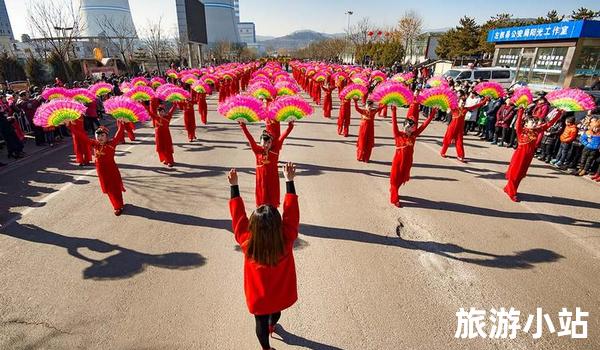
<point x="266" y="136"/>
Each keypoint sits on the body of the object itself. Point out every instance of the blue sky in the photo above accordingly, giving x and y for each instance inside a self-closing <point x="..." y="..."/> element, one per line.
<point x="280" y="17"/>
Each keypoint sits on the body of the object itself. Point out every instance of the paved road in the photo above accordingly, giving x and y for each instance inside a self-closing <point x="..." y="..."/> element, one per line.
<point x="168" y="275"/>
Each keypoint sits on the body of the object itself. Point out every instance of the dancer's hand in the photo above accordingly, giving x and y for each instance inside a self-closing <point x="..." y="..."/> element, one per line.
<point x="289" y="171"/>
<point x="232" y="177"/>
<point x="291" y="123"/>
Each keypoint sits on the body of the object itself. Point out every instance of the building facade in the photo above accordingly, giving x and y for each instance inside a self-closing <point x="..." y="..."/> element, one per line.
<point x="236" y="8"/>
<point x="221" y="22"/>
<point x="106" y="18"/>
<point x="5" y="27"/>
<point x="247" y="32"/>
<point x="550" y="56"/>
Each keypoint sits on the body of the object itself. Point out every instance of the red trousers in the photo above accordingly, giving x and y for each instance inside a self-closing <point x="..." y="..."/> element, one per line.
<point x="344" y="119"/>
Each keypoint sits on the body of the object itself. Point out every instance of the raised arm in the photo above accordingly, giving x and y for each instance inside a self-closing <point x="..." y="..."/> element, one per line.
<point x="360" y="110"/>
<point x="253" y="145"/>
<point x="519" y="122"/>
<point x="239" y="220"/>
<point x="424" y="125"/>
<point x="395" y="124"/>
<point x="552" y="121"/>
<point x="291" y="211"/>
<point x="286" y="133"/>
<point x="118" y="135"/>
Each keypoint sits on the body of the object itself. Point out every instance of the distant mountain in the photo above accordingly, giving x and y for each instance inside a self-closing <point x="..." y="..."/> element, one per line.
<point x="296" y="40"/>
<point x="264" y="37"/>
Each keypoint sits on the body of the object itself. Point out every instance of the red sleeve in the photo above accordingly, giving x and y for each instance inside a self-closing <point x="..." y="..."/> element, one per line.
<point x="291" y="216"/>
<point x="286" y="133"/>
<point x="358" y="109"/>
<point x="251" y="140"/>
<point x="519" y="124"/>
<point x="118" y="135"/>
<point x="551" y="122"/>
<point x="422" y="127"/>
<point x="239" y="220"/>
<point x="395" y="125"/>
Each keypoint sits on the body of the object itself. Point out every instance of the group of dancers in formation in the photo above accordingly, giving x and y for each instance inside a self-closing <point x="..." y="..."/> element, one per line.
<point x="264" y="92"/>
<point x="259" y="92"/>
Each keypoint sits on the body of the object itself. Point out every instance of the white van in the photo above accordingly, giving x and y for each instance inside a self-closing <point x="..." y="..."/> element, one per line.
<point x="503" y="76"/>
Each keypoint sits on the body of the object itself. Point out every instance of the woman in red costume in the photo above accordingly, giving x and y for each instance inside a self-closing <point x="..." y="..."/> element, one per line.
<point x="223" y="90"/>
<point x="405" y="148"/>
<point x="455" y="131"/>
<point x="327" y="102"/>
<point x="343" y="121"/>
<point x="81" y="146"/>
<point x="189" y="119"/>
<point x="521" y="159"/>
<point x="413" y="109"/>
<point x="162" y="133"/>
<point x="318" y="87"/>
<point x="267" y="156"/>
<point x="108" y="172"/>
<point x="202" y="107"/>
<point x="366" y="131"/>
<point x="267" y="242"/>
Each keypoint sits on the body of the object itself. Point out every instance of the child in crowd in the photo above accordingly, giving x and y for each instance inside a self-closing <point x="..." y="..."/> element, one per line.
<point x="548" y="146"/>
<point x="567" y="137"/>
<point x="591" y="143"/>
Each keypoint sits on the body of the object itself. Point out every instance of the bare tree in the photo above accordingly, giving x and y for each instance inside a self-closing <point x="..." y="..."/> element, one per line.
<point x="57" y="23"/>
<point x="179" y="49"/>
<point x="408" y="30"/>
<point x="120" y="34"/>
<point x="155" y="42"/>
<point x="359" y="32"/>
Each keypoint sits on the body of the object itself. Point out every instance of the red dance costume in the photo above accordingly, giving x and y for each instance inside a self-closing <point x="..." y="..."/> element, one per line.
<point x="366" y="133"/>
<point x="343" y="121"/>
<point x="327" y="101"/>
<point x="521" y="159"/>
<point x="223" y="91"/>
<point x="202" y="107"/>
<point x="81" y="146"/>
<point x="403" y="158"/>
<point x="268" y="289"/>
<point x="456" y="130"/>
<point x="189" y="119"/>
<point x="413" y="112"/>
<point x="162" y="133"/>
<point x="108" y="172"/>
<point x="267" y="172"/>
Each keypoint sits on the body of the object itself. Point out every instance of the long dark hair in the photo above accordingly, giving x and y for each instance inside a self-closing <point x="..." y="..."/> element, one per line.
<point x="266" y="244"/>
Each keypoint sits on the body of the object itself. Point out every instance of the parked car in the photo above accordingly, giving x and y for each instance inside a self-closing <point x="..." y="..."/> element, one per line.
<point x="503" y="76"/>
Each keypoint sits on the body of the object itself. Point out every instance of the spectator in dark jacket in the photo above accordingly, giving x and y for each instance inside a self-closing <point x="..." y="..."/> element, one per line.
<point x="504" y="117"/>
<point x="490" y="111"/>
<point x="549" y="142"/>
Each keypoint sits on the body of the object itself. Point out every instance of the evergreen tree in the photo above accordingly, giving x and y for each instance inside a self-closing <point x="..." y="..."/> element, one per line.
<point x="584" y="13"/>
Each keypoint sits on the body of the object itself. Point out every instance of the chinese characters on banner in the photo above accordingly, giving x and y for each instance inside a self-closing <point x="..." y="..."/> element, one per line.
<point x="504" y="324"/>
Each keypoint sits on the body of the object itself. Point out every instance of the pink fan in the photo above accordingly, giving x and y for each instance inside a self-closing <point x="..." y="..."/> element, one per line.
<point x="157" y="81"/>
<point x="175" y="94"/>
<point x="84" y="96"/>
<point x="101" y="89"/>
<point x="392" y="94"/>
<point x="245" y="108"/>
<point x="202" y="88"/>
<point x="55" y="93"/>
<point x="353" y="92"/>
<point x="571" y="100"/>
<point x="58" y="112"/>
<point x="263" y="90"/>
<point x="123" y="108"/>
<point x="139" y="81"/>
<point x="141" y="93"/>
<point x="522" y="97"/>
<point x="289" y="108"/>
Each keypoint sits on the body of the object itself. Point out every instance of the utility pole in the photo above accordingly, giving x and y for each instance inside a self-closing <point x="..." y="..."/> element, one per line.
<point x="349" y="13"/>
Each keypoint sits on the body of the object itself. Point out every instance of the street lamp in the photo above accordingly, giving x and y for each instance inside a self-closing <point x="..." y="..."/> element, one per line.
<point x="349" y="13"/>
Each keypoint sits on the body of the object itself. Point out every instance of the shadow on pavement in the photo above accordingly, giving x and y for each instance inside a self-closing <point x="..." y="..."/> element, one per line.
<point x="176" y="218"/>
<point x="488" y="212"/>
<point x="519" y="260"/>
<point x="295" y="340"/>
<point x="124" y="263"/>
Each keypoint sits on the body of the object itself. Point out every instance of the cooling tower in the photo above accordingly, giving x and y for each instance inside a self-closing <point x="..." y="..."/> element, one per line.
<point x="106" y="18"/>
<point x="221" y="22"/>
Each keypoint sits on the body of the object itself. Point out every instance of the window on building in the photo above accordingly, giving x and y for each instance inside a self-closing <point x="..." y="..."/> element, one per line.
<point x="508" y="57"/>
<point x="587" y="67"/>
<point x="547" y="69"/>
